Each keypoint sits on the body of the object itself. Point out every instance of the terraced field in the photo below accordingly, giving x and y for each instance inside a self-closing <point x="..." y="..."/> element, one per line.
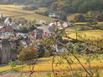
<point x="44" y="66"/>
<point x="16" y="11"/>
<point x="87" y="35"/>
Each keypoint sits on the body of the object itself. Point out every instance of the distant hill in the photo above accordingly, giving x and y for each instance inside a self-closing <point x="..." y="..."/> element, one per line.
<point x="64" y="5"/>
<point x="14" y="1"/>
<point x="77" y="5"/>
<point x="26" y="1"/>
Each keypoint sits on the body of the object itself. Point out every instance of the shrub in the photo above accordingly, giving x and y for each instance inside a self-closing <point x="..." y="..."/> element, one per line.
<point x="47" y="54"/>
<point x="12" y="65"/>
<point x="41" y="51"/>
<point x="76" y="17"/>
<point x="80" y="18"/>
<point x="28" y="53"/>
<point x="30" y="7"/>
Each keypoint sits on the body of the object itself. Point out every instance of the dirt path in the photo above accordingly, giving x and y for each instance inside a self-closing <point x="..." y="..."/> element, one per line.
<point x="36" y="74"/>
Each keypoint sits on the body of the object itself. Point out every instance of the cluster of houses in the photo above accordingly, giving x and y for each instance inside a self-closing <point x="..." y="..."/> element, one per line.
<point x="10" y="39"/>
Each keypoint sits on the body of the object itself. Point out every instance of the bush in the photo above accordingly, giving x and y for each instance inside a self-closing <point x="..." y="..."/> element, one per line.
<point x="47" y="54"/>
<point x="23" y="29"/>
<point x="41" y="51"/>
<point x="77" y="47"/>
<point x="80" y="18"/>
<point x="74" y="17"/>
<point x="28" y="53"/>
<point x="12" y="65"/>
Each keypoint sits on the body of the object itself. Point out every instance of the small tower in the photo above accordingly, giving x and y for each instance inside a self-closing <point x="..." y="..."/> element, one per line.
<point x="5" y="52"/>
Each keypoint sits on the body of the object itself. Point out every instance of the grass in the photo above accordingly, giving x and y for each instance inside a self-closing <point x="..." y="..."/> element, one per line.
<point x="45" y="64"/>
<point x="35" y="17"/>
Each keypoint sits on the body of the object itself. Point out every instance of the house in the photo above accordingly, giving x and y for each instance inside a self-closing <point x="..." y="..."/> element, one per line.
<point x="6" y="29"/>
<point x="58" y="25"/>
<point x="6" y="32"/>
<point x="53" y="15"/>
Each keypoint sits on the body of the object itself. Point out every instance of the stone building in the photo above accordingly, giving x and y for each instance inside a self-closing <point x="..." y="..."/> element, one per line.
<point x="7" y="51"/>
<point x="7" y="44"/>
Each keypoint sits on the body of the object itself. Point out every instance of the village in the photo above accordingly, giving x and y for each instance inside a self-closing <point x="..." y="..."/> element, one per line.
<point x="10" y="39"/>
<point x="51" y="38"/>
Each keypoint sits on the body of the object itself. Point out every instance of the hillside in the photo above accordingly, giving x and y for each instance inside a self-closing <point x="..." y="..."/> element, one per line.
<point x="77" y="5"/>
<point x="66" y="6"/>
<point x="17" y="12"/>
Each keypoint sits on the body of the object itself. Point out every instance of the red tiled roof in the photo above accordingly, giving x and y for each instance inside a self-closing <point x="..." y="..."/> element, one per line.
<point x="6" y="29"/>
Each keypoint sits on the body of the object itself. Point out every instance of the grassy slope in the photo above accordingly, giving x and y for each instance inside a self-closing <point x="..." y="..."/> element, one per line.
<point x="16" y="11"/>
<point x="45" y="64"/>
